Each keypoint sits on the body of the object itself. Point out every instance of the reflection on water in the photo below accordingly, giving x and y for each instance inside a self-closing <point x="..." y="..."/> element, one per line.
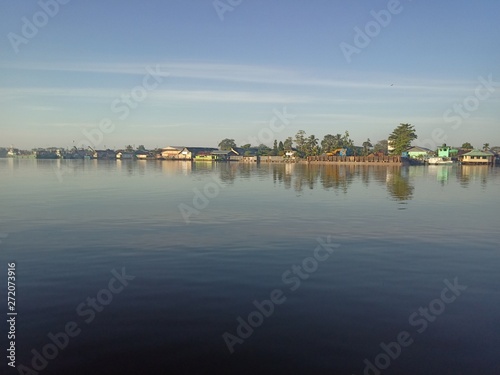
<point x="398" y="181"/>
<point x="341" y="177"/>
<point x="442" y="172"/>
<point x="468" y="173"/>
<point x="70" y="222"/>
<point x="398" y="184"/>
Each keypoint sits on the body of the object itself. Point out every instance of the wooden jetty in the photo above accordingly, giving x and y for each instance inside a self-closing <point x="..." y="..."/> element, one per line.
<point x="357" y="160"/>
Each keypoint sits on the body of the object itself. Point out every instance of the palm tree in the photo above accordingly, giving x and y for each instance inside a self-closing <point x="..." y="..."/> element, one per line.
<point x="486" y="146"/>
<point x="311" y="144"/>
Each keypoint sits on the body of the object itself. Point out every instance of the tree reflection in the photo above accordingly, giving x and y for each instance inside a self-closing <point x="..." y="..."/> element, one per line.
<point x="398" y="184"/>
<point x="282" y="173"/>
<point x="337" y="177"/>
<point x="307" y="175"/>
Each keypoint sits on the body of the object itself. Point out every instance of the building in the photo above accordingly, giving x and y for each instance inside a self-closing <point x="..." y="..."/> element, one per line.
<point x="124" y="155"/>
<point x="145" y="155"/>
<point x="223" y="155"/>
<point x="447" y="152"/>
<point x="104" y="154"/>
<point x="203" y="156"/>
<point x="190" y="153"/>
<point x="417" y="152"/>
<point x="186" y="153"/>
<point x="477" y="157"/>
<point x="390" y="146"/>
<point x="171" y="152"/>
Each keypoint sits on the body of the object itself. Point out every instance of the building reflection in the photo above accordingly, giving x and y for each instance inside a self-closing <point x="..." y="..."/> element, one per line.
<point x="442" y="172"/>
<point x="469" y="173"/>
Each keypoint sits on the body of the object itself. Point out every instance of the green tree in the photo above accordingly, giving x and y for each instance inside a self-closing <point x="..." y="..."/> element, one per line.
<point x="275" y="148"/>
<point x="486" y="146"/>
<point x="346" y="141"/>
<point x="264" y="150"/>
<point x="366" y="147"/>
<point x="227" y="144"/>
<point x="467" y="146"/>
<point x="246" y="146"/>
<point x="381" y="146"/>
<point x="300" y="141"/>
<point x="129" y="148"/>
<point x="330" y="142"/>
<point x="281" y="146"/>
<point x="288" y="144"/>
<point x="401" y="138"/>
<point x="141" y="148"/>
<point x="311" y="146"/>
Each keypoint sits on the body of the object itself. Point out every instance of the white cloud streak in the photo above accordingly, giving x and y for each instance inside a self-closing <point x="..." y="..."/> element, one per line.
<point x="253" y="74"/>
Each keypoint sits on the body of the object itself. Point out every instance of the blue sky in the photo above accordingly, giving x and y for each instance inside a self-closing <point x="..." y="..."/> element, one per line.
<point x="226" y="76"/>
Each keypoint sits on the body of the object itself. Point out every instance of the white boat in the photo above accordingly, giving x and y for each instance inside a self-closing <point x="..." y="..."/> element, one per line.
<point x="439" y="161"/>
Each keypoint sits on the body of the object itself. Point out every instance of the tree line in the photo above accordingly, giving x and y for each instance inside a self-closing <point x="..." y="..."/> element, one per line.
<point x="398" y="141"/>
<point x="305" y="145"/>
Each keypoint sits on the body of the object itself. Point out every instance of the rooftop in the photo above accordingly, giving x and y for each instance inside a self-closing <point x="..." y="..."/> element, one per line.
<point x="478" y="153"/>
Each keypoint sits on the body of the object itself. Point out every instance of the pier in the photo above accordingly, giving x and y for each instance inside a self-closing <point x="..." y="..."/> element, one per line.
<point x="357" y="160"/>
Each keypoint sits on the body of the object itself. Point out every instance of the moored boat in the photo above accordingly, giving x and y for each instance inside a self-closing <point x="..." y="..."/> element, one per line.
<point x="439" y="161"/>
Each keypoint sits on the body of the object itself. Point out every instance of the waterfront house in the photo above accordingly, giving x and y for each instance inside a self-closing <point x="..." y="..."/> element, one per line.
<point x="189" y="153"/>
<point x="171" y="152"/>
<point x="477" y="157"/>
<point x="183" y="153"/>
<point x="216" y="155"/>
<point x="203" y="156"/>
<point x="417" y="152"/>
<point x="447" y="152"/>
<point x="223" y="155"/>
<point x="144" y="155"/>
<point x="124" y="155"/>
<point x="104" y="154"/>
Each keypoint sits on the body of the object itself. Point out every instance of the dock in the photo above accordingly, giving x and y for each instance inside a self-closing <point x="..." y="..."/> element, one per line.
<point x="357" y="160"/>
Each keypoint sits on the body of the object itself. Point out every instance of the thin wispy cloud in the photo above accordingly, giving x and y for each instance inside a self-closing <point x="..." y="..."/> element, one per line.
<point x="162" y="97"/>
<point x="159" y="97"/>
<point x="253" y="74"/>
<point x="42" y="108"/>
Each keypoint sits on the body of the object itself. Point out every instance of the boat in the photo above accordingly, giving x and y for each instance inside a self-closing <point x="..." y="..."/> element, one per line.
<point x="439" y="161"/>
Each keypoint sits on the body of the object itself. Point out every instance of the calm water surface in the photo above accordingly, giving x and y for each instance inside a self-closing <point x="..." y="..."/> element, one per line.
<point x="204" y="241"/>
